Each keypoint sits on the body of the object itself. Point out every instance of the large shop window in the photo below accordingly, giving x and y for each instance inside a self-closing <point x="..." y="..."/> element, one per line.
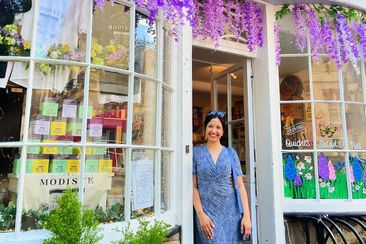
<point x="323" y="121"/>
<point x="86" y="106"/>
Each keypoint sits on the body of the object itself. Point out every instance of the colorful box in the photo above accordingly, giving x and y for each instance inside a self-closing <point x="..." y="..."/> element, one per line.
<point x="28" y="167"/>
<point x="105" y="166"/>
<point x="58" y="166"/>
<point x="49" y="150"/>
<point x="77" y="151"/>
<point x="58" y="128"/>
<point x="74" y="128"/>
<point x="90" y="111"/>
<point x="99" y="150"/>
<point x="40" y="166"/>
<point x="73" y="166"/>
<point x="91" y="166"/>
<point x="34" y="150"/>
<point x="65" y="150"/>
<point x="49" y="109"/>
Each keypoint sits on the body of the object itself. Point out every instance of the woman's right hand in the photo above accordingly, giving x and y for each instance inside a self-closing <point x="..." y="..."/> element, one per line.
<point x="206" y="225"/>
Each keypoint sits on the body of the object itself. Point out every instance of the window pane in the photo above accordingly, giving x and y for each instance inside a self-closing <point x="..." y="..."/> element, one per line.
<point x="238" y="141"/>
<point x="287" y="36"/>
<point x="144" y="112"/>
<point x="145" y="46"/>
<point x="111" y="35"/>
<point x="356" y="126"/>
<point x="61" y="29"/>
<point x="107" y="110"/>
<point x="328" y="125"/>
<point x="294" y="79"/>
<point x="12" y="104"/>
<point x="167" y="58"/>
<point x="296" y="126"/>
<point x="222" y="94"/>
<point x="55" y="100"/>
<point x="237" y="95"/>
<point x="352" y="83"/>
<point x="325" y="80"/>
<point x="357" y="167"/>
<point x="332" y="175"/>
<point x="166" y="119"/>
<point x="48" y="175"/>
<point x="142" y="174"/>
<point x="9" y="173"/>
<point x="165" y="181"/>
<point x="105" y="182"/>
<point x="299" y="179"/>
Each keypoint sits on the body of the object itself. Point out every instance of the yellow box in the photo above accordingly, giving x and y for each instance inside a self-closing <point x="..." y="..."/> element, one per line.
<point x="49" y="150"/>
<point x="40" y="166"/>
<point x="105" y="166"/>
<point x="58" y="128"/>
<point x="73" y="166"/>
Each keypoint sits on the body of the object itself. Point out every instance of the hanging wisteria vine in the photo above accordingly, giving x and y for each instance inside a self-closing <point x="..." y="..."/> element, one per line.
<point x="334" y="30"/>
<point x="209" y="18"/>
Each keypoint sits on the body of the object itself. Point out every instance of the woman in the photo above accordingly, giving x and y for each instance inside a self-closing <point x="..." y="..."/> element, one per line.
<point x="217" y="218"/>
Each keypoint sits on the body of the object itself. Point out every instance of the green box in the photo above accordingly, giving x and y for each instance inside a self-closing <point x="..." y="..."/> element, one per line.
<point x="91" y="165"/>
<point x="90" y="111"/>
<point x="99" y="150"/>
<point x="34" y="150"/>
<point x="28" y="167"/>
<point x="65" y="150"/>
<point x="74" y="128"/>
<point x="49" y="109"/>
<point x="58" y="166"/>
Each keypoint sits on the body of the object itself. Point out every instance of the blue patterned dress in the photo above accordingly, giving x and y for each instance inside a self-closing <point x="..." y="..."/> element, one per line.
<point x="218" y="198"/>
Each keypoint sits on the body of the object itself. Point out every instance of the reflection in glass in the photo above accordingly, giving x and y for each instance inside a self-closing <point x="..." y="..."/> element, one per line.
<point x="111" y="35"/>
<point x="167" y="58"/>
<point x="294" y="78"/>
<point x="166" y="119"/>
<point x="9" y="174"/>
<point x="325" y="80"/>
<point x="358" y="167"/>
<point x="296" y="126"/>
<point x="12" y="100"/>
<point x="165" y="181"/>
<point x="61" y="29"/>
<point x="352" y="83"/>
<point x="105" y="182"/>
<point x="237" y="93"/>
<point x="328" y="126"/>
<point x="48" y="174"/>
<point x="54" y="107"/>
<point x="238" y="141"/>
<point x="298" y="172"/>
<point x="287" y="36"/>
<point x="144" y="112"/>
<point x="107" y="110"/>
<point x="332" y="175"/>
<point x="142" y="176"/>
<point x="145" y="46"/>
<point x="356" y="126"/>
<point x="222" y="95"/>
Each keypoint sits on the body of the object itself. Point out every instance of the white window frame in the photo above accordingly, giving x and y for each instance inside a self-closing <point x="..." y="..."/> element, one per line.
<point x="318" y="205"/>
<point x="168" y="216"/>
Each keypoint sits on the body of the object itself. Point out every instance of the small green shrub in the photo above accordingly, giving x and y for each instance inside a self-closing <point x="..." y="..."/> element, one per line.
<point x="152" y="234"/>
<point x="69" y="223"/>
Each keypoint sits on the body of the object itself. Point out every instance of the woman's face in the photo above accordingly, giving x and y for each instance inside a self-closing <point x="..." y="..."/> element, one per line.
<point x="214" y="130"/>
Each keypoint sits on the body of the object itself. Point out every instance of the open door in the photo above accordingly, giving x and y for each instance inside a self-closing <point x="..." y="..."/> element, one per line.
<point x="232" y="93"/>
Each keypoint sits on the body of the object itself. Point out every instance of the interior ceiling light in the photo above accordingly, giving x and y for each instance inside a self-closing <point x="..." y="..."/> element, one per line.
<point x="234" y="76"/>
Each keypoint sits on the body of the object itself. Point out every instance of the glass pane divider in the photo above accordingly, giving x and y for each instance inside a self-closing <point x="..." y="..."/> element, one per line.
<point x="147" y="77"/>
<point x="111" y="69"/>
<point x="363" y="76"/>
<point x="128" y="185"/>
<point x="294" y="55"/>
<point x="23" y="161"/>
<point x="15" y="58"/>
<point x="229" y="114"/>
<point x="157" y="186"/>
<point x="168" y="87"/>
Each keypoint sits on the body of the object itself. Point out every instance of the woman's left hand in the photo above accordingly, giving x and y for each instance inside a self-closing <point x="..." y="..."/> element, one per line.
<point x="246" y="226"/>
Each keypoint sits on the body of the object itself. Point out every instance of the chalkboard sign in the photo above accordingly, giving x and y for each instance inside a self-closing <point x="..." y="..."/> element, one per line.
<point x="11" y="102"/>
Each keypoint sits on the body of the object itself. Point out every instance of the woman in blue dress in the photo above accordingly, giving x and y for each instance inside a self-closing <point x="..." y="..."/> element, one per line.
<point x="217" y="218"/>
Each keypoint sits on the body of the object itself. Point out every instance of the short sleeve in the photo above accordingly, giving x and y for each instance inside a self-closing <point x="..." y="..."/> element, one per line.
<point x="194" y="162"/>
<point x="237" y="165"/>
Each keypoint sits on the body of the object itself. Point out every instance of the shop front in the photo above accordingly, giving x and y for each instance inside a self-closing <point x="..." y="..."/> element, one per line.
<point x="99" y="99"/>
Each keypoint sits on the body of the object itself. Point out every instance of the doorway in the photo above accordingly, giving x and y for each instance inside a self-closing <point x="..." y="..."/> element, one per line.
<point x="223" y="82"/>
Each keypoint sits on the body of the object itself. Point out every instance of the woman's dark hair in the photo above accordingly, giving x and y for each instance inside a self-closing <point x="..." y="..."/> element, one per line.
<point x="215" y="114"/>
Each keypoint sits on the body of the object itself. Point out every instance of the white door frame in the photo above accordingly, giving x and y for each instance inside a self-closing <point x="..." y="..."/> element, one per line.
<point x="249" y="178"/>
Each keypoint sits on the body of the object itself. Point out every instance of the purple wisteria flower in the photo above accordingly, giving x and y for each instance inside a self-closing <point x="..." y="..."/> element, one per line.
<point x="298" y="181"/>
<point x="100" y="3"/>
<point x="360" y="29"/>
<point x="290" y="169"/>
<point x="329" y="43"/>
<point x="323" y="167"/>
<point x="277" y="43"/>
<point x="300" y="27"/>
<point x="314" y="28"/>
